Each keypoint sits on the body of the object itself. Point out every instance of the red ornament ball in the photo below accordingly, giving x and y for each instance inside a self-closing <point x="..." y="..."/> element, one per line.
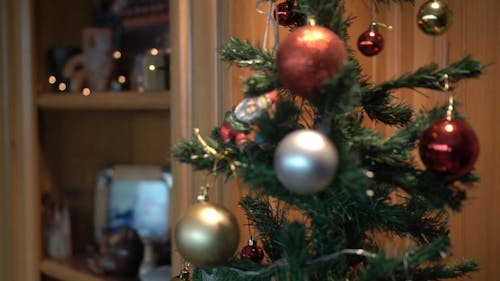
<point x="252" y="251"/>
<point x="450" y="147"/>
<point x="308" y="56"/>
<point x="285" y="14"/>
<point x="370" y="42"/>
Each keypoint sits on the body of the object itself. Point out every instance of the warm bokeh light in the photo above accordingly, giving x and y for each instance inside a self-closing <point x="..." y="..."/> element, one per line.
<point x="435" y="5"/>
<point x="62" y="87"/>
<point x="152" y="67"/>
<point x="86" y="91"/>
<point x="117" y="55"/>
<point x="154" y="52"/>
<point x="52" y="79"/>
<point x="122" y="79"/>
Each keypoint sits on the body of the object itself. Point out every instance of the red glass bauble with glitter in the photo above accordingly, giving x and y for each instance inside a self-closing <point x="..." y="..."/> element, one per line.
<point x="252" y="251"/>
<point x="370" y="42"/>
<point x="450" y="147"/>
<point x="285" y="14"/>
<point x="307" y="57"/>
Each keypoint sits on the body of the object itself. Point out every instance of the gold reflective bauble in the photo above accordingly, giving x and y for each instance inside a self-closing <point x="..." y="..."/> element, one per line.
<point x="434" y="17"/>
<point x="207" y="235"/>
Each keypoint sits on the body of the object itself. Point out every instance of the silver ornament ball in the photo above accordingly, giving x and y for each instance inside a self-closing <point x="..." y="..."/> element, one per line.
<point x="305" y="161"/>
<point x="207" y="235"/>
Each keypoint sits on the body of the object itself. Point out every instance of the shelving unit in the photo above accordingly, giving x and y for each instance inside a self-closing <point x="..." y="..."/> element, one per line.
<point x="75" y="270"/>
<point x="79" y="134"/>
<point x="105" y="101"/>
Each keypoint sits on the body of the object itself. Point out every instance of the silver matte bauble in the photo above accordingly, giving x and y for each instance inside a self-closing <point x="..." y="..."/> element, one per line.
<point x="207" y="235"/>
<point x="305" y="161"/>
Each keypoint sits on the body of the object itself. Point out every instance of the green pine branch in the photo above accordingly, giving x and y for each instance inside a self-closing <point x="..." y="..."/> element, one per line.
<point x="378" y="101"/>
<point x="244" y="54"/>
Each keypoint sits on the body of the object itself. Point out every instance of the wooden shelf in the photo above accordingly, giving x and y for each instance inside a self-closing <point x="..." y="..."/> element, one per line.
<point x="75" y="270"/>
<point x="158" y="100"/>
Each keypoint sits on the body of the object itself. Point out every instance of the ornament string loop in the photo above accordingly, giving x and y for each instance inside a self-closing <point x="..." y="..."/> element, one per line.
<point x="270" y="19"/>
<point x="375" y="24"/>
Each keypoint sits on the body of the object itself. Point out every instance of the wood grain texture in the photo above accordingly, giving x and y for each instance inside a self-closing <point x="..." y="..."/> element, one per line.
<point x="75" y="269"/>
<point x="23" y="232"/>
<point x="475" y="31"/>
<point x="195" y="35"/>
<point x="5" y="206"/>
<point x="105" y="101"/>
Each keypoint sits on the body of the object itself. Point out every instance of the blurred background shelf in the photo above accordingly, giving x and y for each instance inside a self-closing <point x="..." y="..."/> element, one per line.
<point x="75" y="269"/>
<point x="158" y="100"/>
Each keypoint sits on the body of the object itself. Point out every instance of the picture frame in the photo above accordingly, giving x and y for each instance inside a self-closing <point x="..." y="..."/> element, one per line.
<point x="137" y="196"/>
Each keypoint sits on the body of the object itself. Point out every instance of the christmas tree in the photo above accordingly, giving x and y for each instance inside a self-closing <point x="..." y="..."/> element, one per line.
<point x="324" y="187"/>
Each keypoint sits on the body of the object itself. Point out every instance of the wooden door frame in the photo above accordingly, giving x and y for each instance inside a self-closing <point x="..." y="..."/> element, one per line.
<point x="19" y="149"/>
<point x="198" y="91"/>
<point x="5" y="221"/>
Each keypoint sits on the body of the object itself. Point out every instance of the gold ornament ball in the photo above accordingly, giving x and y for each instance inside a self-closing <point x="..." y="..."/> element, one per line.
<point x="434" y="17"/>
<point x="207" y="235"/>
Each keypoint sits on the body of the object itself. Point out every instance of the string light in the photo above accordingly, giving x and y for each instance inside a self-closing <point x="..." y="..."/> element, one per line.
<point x="86" y="91"/>
<point x="52" y="79"/>
<point x="122" y="79"/>
<point x="284" y="262"/>
<point x="62" y="87"/>
<point x="154" y="52"/>
<point x="117" y="55"/>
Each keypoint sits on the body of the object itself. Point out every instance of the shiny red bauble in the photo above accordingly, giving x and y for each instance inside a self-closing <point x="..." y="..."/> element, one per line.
<point x="450" y="147"/>
<point x="252" y="251"/>
<point x="370" y="42"/>
<point x="307" y="57"/>
<point x="285" y="14"/>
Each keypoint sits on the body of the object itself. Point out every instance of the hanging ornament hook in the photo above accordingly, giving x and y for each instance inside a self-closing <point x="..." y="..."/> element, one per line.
<point x="203" y="193"/>
<point x="375" y="24"/>
<point x="218" y="156"/>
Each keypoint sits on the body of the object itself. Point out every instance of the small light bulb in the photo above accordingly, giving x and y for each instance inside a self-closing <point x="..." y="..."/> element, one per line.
<point x="154" y="52"/>
<point x="122" y="79"/>
<point x="152" y="67"/>
<point x="62" y="87"/>
<point x="86" y="91"/>
<point x="52" y="79"/>
<point x="117" y="55"/>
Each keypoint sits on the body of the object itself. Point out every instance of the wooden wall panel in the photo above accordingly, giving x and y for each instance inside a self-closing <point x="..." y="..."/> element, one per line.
<point x="475" y="31"/>
<point x="5" y="206"/>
